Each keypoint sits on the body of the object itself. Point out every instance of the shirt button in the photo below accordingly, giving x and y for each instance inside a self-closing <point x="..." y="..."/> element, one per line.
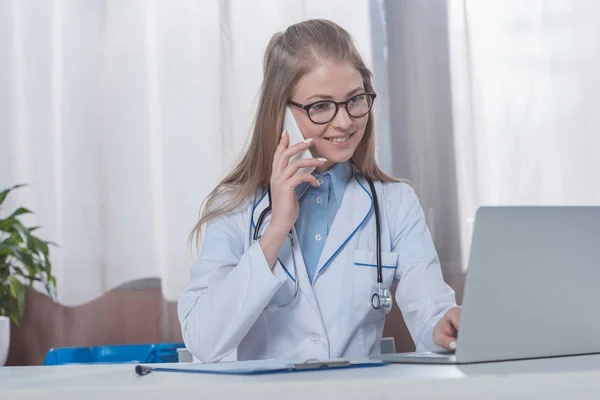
<point x="314" y="339"/>
<point x="318" y="237"/>
<point x="320" y="180"/>
<point x="319" y="200"/>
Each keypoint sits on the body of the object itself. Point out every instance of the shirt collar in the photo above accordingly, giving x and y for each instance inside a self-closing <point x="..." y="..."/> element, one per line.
<point x="340" y="175"/>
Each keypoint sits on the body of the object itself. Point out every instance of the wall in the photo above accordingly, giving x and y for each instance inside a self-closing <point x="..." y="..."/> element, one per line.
<point x="122" y="316"/>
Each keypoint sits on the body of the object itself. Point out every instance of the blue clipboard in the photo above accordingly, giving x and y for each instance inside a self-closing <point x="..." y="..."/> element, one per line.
<point x="237" y="369"/>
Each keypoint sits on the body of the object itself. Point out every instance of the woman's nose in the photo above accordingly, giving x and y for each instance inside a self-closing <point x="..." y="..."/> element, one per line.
<point x="342" y="119"/>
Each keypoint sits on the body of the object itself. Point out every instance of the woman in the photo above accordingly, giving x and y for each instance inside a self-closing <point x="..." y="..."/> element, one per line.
<point x="302" y="286"/>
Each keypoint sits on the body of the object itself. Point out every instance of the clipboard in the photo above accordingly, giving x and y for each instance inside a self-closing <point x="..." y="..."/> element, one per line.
<point x="257" y="368"/>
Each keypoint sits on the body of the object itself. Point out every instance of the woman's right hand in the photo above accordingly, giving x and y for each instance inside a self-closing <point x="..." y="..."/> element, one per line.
<point x="285" y="176"/>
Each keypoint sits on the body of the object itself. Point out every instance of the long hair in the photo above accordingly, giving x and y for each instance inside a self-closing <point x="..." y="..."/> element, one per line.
<point x="289" y="55"/>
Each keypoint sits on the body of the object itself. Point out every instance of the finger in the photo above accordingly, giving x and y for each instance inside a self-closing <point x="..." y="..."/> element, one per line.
<point x="445" y="340"/>
<point x="300" y="177"/>
<point x="294" y="166"/>
<point x="450" y="343"/>
<point x="283" y="144"/>
<point x="449" y="336"/>
<point x="453" y="316"/>
<point x="447" y="329"/>
<point x="291" y="151"/>
<point x="446" y="334"/>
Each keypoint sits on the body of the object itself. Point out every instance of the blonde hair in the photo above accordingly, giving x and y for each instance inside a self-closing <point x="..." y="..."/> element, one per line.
<point x="289" y="55"/>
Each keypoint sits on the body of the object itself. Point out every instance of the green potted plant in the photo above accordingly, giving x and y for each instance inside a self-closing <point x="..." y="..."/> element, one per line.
<point x="24" y="260"/>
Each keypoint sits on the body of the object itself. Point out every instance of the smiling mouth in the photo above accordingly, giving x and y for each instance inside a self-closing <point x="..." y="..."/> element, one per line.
<point x="341" y="139"/>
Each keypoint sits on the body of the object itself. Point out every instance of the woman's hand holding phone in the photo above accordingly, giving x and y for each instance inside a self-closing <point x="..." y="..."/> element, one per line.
<point x="285" y="176"/>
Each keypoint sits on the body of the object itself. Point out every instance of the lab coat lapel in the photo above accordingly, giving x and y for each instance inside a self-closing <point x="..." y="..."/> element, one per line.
<point x="356" y="206"/>
<point x="285" y="262"/>
<point x="286" y="259"/>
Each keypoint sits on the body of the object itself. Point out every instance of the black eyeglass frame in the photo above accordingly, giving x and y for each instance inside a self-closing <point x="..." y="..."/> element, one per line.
<point x="337" y="106"/>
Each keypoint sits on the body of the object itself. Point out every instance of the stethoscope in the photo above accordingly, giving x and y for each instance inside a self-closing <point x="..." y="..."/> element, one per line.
<point x="381" y="299"/>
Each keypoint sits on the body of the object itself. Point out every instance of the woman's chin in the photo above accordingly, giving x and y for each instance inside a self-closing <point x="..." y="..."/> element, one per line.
<point x="339" y="156"/>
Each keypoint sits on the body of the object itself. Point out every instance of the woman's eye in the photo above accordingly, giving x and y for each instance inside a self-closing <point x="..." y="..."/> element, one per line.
<point x="358" y="99"/>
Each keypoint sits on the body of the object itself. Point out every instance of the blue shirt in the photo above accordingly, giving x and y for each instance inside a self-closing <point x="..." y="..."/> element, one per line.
<point x="318" y="207"/>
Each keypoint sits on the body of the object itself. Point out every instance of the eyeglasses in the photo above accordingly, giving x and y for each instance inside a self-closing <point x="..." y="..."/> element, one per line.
<point x="324" y="111"/>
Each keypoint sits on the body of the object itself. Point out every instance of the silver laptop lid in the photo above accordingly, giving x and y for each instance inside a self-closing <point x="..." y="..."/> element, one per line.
<point x="533" y="284"/>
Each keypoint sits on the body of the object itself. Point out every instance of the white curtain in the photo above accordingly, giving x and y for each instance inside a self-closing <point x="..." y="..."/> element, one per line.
<point x="121" y="115"/>
<point x="526" y="89"/>
<point x="492" y="103"/>
<point x="421" y="133"/>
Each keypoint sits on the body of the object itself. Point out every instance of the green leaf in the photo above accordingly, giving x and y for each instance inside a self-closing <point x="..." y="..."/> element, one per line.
<point x="7" y="248"/>
<point x="6" y="224"/>
<point x="13" y="312"/>
<point x="20" y="211"/>
<point x="22" y="231"/>
<point x="16" y="287"/>
<point x="49" y="290"/>
<point x="5" y="193"/>
<point x="21" y="302"/>
<point x="15" y="319"/>
<point x="39" y="245"/>
<point x="27" y="261"/>
<point x="13" y="239"/>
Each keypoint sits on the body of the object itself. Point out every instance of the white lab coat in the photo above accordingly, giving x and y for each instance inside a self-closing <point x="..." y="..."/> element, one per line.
<point x="228" y="304"/>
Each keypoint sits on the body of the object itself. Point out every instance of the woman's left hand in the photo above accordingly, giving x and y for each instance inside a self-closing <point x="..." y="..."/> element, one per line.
<point x="446" y="330"/>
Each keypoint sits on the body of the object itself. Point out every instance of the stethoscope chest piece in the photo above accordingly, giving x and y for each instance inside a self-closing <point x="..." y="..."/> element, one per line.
<point x="382" y="299"/>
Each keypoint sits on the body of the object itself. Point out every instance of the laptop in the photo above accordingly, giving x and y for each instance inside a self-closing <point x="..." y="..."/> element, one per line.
<point x="532" y="287"/>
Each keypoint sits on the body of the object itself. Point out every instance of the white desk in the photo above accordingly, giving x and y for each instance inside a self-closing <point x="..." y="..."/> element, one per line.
<point x="559" y="378"/>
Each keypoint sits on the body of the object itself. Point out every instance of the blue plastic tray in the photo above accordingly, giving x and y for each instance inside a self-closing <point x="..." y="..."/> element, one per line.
<point x="118" y="354"/>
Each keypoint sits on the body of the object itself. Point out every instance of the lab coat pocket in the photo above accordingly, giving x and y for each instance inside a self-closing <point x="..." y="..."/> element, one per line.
<point x="365" y="281"/>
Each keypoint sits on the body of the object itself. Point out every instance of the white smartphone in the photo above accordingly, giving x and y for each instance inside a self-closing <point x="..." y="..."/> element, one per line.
<point x="296" y="136"/>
